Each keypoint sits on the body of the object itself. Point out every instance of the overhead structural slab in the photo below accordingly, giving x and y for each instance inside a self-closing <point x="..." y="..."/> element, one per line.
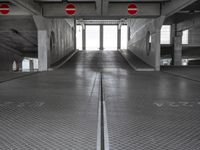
<point x="90" y="9"/>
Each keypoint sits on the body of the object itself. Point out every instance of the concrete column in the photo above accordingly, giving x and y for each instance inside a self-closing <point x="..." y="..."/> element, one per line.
<point x="119" y="37"/>
<point x="101" y="38"/>
<point x="84" y="37"/>
<point x="129" y="33"/>
<point x="74" y="35"/>
<point x="43" y="51"/>
<point x="155" y="46"/>
<point x="43" y="43"/>
<point x="19" y="66"/>
<point x="31" y="65"/>
<point x="177" y="54"/>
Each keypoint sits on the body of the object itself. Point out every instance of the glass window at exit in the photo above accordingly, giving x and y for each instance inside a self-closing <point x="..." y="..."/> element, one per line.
<point x="110" y="37"/>
<point x="92" y="37"/>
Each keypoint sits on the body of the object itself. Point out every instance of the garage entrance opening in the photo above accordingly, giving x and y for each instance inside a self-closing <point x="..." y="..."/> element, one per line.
<point x="107" y="35"/>
<point x="110" y="37"/>
<point x="92" y="37"/>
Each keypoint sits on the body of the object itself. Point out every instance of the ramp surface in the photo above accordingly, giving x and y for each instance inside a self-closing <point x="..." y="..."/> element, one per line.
<point x="59" y="109"/>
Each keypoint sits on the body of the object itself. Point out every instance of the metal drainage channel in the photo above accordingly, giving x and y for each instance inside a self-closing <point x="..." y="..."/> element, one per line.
<point x="102" y="139"/>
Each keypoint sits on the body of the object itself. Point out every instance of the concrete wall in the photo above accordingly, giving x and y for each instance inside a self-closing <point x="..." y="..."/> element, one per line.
<point x="63" y="38"/>
<point x="58" y="40"/>
<point x="138" y="37"/>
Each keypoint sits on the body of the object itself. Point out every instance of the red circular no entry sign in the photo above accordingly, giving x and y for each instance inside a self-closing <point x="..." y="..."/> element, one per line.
<point x="4" y="9"/>
<point x="132" y="9"/>
<point x="70" y="9"/>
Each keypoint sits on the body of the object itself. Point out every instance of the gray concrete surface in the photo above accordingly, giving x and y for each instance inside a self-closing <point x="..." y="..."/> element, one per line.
<point x="59" y="109"/>
<point x="8" y="75"/>
<point x="188" y="72"/>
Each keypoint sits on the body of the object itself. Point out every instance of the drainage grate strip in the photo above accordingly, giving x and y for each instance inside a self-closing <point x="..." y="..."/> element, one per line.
<point x="102" y="140"/>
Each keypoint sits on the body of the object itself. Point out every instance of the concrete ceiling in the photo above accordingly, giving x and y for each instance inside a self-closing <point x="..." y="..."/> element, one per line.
<point x="86" y="9"/>
<point x="186" y="13"/>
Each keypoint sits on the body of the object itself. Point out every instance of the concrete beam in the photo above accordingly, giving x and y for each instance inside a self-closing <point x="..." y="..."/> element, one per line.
<point x="174" y="6"/>
<point x="190" y="23"/>
<point x="58" y="10"/>
<point x="115" y="10"/>
<point x="28" y="5"/>
<point x="14" y="11"/>
<point x="144" y="10"/>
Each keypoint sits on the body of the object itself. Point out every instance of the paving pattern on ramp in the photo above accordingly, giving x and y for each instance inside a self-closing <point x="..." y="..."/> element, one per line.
<point x="151" y="111"/>
<point x="59" y="109"/>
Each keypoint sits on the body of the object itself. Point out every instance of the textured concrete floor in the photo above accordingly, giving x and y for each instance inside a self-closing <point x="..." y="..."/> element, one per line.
<point x="59" y="109"/>
<point x="189" y="72"/>
<point x="7" y="76"/>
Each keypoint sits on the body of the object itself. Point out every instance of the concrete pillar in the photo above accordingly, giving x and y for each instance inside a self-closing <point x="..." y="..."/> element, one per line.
<point x="43" y="51"/>
<point x="155" y="46"/>
<point x="19" y="65"/>
<point x="119" y="37"/>
<point x="43" y="43"/>
<point x="101" y="38"/>
<point x="31" y="65"/>
<point x="176" y="37"/>
<point x="177" y="54"/>
<point x="129" y="33"/>
<point x="74" y="35"/>
<point x="84" y="37"/>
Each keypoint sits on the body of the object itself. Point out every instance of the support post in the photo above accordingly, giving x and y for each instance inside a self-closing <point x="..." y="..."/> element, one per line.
<point x="31" y="65"/>
<point x="101" y="38"/>
<point x="84" y="37"/>
<point x="177" y="54"/>
<point x="119" y="37"/>
<point x="19" y="65"/>
<point x="43" y="51"/>
<point x="43" y="43"/>
<point x="129" y="33"/>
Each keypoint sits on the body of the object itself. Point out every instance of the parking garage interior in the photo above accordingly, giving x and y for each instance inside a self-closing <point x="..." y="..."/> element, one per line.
<point x="99" y="74"/>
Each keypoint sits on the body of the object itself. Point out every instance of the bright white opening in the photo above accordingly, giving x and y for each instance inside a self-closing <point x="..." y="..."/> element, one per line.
<point x="92" y="37"/>
<point x="185" y="39"/>
<point x="26" y="64"/>
<point x="79" y="44"/>
<point x="185" y="62"/>
<point x="165" y="34"/>
<point x="124" y="36"/>
<point x="110" y="37"/>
